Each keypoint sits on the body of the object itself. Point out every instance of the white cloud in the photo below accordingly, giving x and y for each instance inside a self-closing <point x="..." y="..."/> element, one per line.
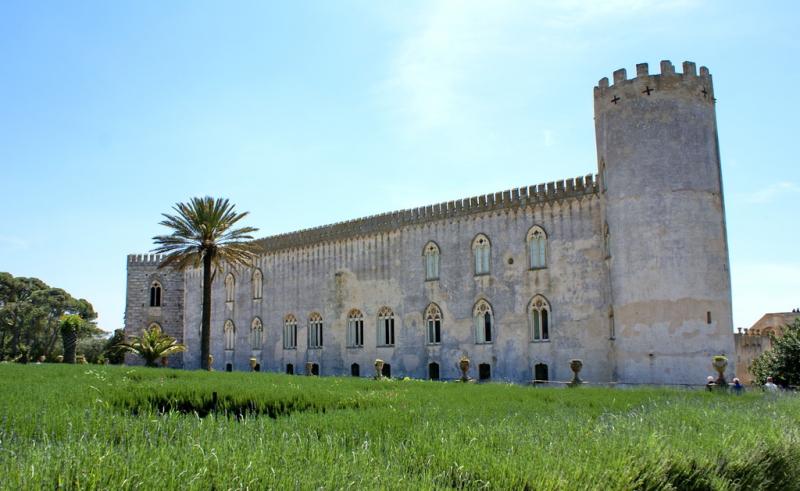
<point x="439" y="74"/>
<point x="772" y="192"/>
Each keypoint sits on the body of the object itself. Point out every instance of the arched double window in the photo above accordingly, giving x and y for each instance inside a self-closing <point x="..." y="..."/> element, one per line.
<point x="355" y="329"/>
<point x="433" y="322"/>
<point x="484" y="322"/>
<point x="256" y="333"/>
<point x="315" y="331"/>
<point x="482" y="252"/>
<point x="258" y="283"/>
<point x="230" y="286"/>
<point x="290" y="332"/>
<point x="537" y="247"/>
<point x="229" y="331"/>
<point x="539" y="314"/>
<point x="431" y="255"/>
<point x="385" y="327"/>
<point x="155" y="294"/>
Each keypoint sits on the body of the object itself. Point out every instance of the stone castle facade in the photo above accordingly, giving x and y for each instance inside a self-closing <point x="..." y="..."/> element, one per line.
<point x="626" y="270"/>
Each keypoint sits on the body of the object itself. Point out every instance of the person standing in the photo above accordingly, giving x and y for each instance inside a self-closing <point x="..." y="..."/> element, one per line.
<point x="770" y="386"/>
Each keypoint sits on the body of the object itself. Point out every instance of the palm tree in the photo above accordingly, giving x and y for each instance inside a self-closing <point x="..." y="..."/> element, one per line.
<point x="71" y="325"/>
<point x="203" y="233"/>
<point x="152" y="345"/>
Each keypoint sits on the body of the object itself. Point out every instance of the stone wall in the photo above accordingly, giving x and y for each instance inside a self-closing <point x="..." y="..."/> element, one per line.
<point x="375" y="269"/>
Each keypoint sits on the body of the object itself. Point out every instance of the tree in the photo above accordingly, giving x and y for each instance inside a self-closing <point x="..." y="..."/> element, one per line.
<point x="72" y="326"/>
<point x="30" y="316"/>
<point x="112" y="352"/>
<point x="782" y="361"/>
<point x="152" y="345"/>
<point x="203" y="233"/>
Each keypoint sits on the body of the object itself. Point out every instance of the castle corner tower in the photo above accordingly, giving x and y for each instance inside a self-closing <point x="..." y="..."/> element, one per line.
<point x="664" y="224"/>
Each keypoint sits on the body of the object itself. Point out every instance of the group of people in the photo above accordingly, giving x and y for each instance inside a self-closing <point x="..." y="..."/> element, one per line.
<point x="738" y="388"/>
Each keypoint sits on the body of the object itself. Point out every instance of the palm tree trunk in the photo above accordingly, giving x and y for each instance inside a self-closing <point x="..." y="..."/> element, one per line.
<point x="70" y="340"/>
<point x="205" y="330"/>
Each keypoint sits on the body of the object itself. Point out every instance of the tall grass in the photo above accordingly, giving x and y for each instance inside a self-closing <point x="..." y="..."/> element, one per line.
<point x="69" y="427"/>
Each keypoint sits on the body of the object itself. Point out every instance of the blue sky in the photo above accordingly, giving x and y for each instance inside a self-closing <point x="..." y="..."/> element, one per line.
<point x="306" y="113"/>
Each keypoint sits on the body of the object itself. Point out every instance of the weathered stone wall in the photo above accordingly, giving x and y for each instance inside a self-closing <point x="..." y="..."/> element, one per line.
<point x="142" y="273"/>
<point x="659" y="165"/>
<point x="372" y="270"/>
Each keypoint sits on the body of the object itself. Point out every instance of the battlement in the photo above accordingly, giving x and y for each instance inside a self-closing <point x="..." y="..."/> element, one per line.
<point x="512" y="198"/>
<point x="652" y="83"/>
<point x="145" y="259"/>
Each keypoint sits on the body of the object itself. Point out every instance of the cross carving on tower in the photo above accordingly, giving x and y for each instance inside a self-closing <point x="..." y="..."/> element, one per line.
<point x="647" y="90"/>
<point x="705" y="93"/>
<point x="615" y="99"/>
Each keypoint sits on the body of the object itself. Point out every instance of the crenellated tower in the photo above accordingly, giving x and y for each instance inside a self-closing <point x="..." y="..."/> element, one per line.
<point x="154" y="296"/>
<point x="664" y="224"/>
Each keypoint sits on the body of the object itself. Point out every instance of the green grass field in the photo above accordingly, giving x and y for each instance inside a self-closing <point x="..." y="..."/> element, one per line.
<point x="100" y="427"/>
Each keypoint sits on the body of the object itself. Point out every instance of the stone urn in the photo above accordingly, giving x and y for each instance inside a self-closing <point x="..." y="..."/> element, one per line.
<point x="720" y="363"/>
<point x="42" y="358"/>
<point x="80" y="360"/>
<point x="575" y="365"/>
<point x="463" y="365"/>
<point x="309" y="368"/>
<point x="164" y="361"/>
<point x="60" y="358"/>
<point x="253" y="363"/>
<point x="379" y="369"/>
<point x="210" y="363"/>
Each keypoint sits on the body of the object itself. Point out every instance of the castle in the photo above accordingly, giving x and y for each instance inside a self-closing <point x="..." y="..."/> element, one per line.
<point x="626" y="269"/>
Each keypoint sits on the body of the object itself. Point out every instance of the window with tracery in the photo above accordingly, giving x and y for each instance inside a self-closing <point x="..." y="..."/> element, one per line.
<point x="433" y="322"/>
<point x="290" y="332"/>
<point x="355" y="329"/>
<point x="385" y="327"/>
<point x="315" y="331"/>
<point x="537" y="247"/>
<point x="229" y="331"/>
<point x="539" y="312"/>
<point x="482" y="251"/>
<point x="258" y="283"/>
<point x="431" y="255"/>
<point x="256" y="333"/>
<point x="484" y="322"/>
<point x="230" y="285"/>
<point x="155" y="294"/>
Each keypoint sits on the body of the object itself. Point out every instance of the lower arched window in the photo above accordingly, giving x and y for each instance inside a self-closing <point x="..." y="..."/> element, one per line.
<point x="315" y="331"/>
<point x="289" y="332"/>
<point x="484" y="322"/>
<point x="433" y="322"/>
<point x="355" y="329"/>
<point x="385" y="327"/>
<point x="539" y="313"/>
<point x="230" y="335"/>
<point x="256" y="333"/>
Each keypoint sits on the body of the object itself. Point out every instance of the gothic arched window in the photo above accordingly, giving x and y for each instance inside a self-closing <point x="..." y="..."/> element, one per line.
<point x="433" y="322"/>
<point x="355" y="329"/>
<point x="539" y="314"/>
<point x="385" y="327"/>
<point x="537" y="247"/>
<point x="256" y="333"/>
<point x="482" y="250"/>
<point x="431" y="255"/>
<point x="258" y="281"/>
<point x="315" y="331"/>
<point x="230" y="285"/>
<point x="229" y="331"/>
<point x="155" y="294"/>
<point x="290" y="332"/>
<point x="484" y="322"/>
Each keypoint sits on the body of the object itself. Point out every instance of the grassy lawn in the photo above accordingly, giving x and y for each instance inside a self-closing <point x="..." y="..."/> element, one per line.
<point x="136" y="428"/>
